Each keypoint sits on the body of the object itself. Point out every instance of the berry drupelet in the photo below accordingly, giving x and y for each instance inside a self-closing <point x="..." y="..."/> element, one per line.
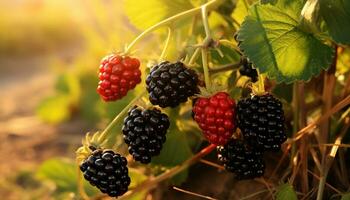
<point x="107" y="171"/>
<point x="118" y="74"/>
<point x="239" y="158"/>
<point x="170" y="84"/>
<point x="145" y="132"/>
<point x="216" y="117"/>
<point x="261" y="120"/>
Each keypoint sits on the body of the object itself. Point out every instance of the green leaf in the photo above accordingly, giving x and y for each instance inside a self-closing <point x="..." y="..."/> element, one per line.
<point x="271" y="39"/>
<point x="144" y="14"/>
<point x="336" y="14"/>
<point x="63" y="173"/>
<point x="54" y="109"/>
<point x="286" y="192"/>
<point x="345" y="196"/>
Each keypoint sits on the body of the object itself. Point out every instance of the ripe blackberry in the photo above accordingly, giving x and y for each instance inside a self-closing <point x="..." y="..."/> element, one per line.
<point x="144" y="132"/>
<point x="247" y="69"/>
<point x="261" y="120"/>
<point x="216" y="117"/>
<point x="170" y="84"/>
<point x="118" y="74"/>
<point x="241" y="159"/>
<point x="107" y="171"/>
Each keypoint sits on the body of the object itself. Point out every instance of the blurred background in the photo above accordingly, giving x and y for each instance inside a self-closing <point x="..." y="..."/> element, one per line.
<point x="49" y="54"/>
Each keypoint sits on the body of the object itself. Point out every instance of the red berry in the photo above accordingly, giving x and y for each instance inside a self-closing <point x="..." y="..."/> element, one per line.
<point x="215" y="116"/>
<point x="118" y="74"/>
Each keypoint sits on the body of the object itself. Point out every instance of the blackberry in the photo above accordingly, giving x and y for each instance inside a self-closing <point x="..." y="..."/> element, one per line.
<point x="107" y="171"/>
<point x="241" y="159"/>
<point x="144" y="132"/>
<point x="247" y="69"/>
<point x="170" y="84"/>
<point x="261" y="120"/>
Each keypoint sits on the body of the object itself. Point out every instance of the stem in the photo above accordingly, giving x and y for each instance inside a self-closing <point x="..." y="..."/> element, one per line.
<point x="194" y="56"/>
<point x="205" y="47"/>
<point x="167" y="21"/>
<point x="224" y="68"/>
<point x="104" y="134"/>
<point x="166" y="45"/>
<point x="148" y="184"/>
<point x="205" y="67"/>
<point x="205" y="21"/>
<point x="231" y="45"/>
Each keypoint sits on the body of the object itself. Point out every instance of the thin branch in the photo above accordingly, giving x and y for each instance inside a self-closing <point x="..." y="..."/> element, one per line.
<point x="207" y="162"/>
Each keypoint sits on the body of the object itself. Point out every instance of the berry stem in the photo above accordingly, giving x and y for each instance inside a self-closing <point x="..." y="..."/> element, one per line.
<point x="261" y="85"/>
<point x="151" y="183"/>
<point x="105" y="132"/>
<point x="188" y="13"/>
<point x="166" y="45"/>
<point x="205" y="67"/>
<point x="205" y="46"/>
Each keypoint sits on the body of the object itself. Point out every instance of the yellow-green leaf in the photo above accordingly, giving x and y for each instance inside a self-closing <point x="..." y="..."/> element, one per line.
<point x="271" y="38"/>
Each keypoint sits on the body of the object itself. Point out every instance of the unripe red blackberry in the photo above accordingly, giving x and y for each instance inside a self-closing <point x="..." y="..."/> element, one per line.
<point x="118" y="74"/>
<point x="107" y="171"/>
<point x="261" y="120"/>
<point x="241" y="159"/>
<point x="216" y="117"/>
<point x="247" y="69"/>
<point x="145" y="132"/>
<point x="170" y="84"/>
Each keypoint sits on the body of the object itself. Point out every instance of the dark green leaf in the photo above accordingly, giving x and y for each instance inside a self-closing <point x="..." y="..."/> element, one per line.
<point x="336" y="14"/>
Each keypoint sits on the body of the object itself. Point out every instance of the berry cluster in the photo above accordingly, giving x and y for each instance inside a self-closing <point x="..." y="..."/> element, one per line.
<point x="144" y="132"/>
<point x="118" y="74"/>
<point x="170" y="84"/>
<point x="107" y="171"/>
<point x="261" y="121"/>
<point x="259" y="118"/>
<point x="215" y="116"/>
<point x="241" y="159"/>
